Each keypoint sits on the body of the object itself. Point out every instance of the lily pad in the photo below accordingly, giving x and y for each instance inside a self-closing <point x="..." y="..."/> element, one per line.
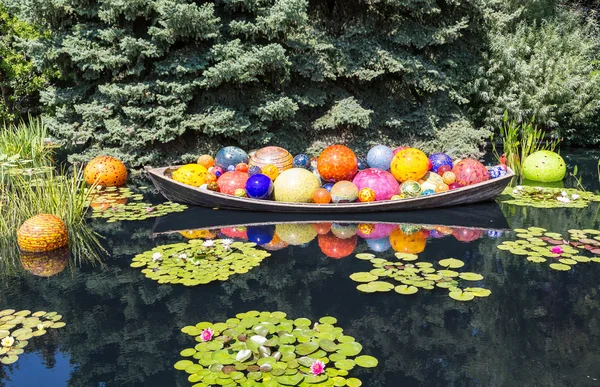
<point x="406" y="289"/>
<point x="462" y="296"/>
<point x="560" y="266"/>
<point x="451" y="263"/>
<point x="366" y="361"/>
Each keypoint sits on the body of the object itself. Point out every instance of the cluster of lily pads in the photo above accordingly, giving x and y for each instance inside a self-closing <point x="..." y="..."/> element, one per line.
<point x="408" y="276"/>
<point x="539" y="246"/>
<point x="199" y="262"/>
<point x="543" y="197"/>
<point x="16" y="328"/>
<point x="115" y="204"/>
<point x="267" y="349"/>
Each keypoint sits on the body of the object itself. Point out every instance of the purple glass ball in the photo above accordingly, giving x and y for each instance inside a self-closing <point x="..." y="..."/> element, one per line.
<point x="253" y="170"/>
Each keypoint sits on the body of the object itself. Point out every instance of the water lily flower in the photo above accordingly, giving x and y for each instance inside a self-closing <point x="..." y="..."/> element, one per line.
<point x="156" y="257"/>
<point x="563" y="199"/>
<point x="317" y="367"/>
<point x="40" y="327"/>
<point x="149" y="209"/>
<point x="227" y="242"/>
<point x="207" y="334"/>
<point x="208" y="243"/>
<point x="8" y="341"/>
<point x="538" y="188"/>
<point x="556" y="250"/>
<point x="183" y="256"/>
<point x="563" y="193"/>
<point x="575" y="196"/>
<point x="520" y="187"/>
<point x="515" y="191"/>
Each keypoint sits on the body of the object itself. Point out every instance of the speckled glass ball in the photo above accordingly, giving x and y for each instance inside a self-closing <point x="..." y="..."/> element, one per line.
<point x="448" y="177"/>
<point x="212" y="186"/>
<point x="272" y="155"/>
<point x="362" y="163"/>
<point x="470" y="171"/>
<point x="344" y="192"/>
<point x="544" y="166"/>
<point x="337" y="163"/>
<point x="206" y="161"/>
<point x="106" y="171"/>
<point x="295" y="233"/>
<point x="497" y="171"/>
<point x="216" y="171"/>
<point x="191" y="174"/>
<point x="270" y="170"/>
<point x="366" y="195"/>
<point x="45" y="264"/>
<point x="409" y="164"/>
<point x="380" y="156"/>
<point x="296" y="185"/>
<point x="231" y="155"/>
<point x="439" y="159"/>
<point x="253" y="170"/>
<point x="410" y="189"/>
<point x="443" y="169"/>
<point x="321" y="196"/>
<point x="301" y="161"/>
<point x="231" y="181"/>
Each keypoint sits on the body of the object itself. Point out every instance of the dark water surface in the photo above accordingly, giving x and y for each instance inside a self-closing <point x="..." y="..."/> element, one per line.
<point x="539" y="327"/>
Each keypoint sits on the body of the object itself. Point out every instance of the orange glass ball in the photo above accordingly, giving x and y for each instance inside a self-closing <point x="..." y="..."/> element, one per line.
<point x="449" y="177"/>
<point x="42" y="233"/>
<point x="470" y="171"/>
<point x="45" y="264"/>
<point x="272" y="155"/>
<point x="229" y="182"/>
<point x="206" y="161"/>
<point x="271" y="171"/>
<point x="105" y="200"/>
<point x="408" y="243"/>
<point x="337" y="163"/>
<point x="242" y="167"/>
<point x="321" y="196"/>
<point x="335" y="247"/>
<point x="198" y="234"/>
<point x="322" y="228"/>
<point x="442" y="187"/>
<point x="409" y="164"/>
<point x="105" y="171"/>
<point x="366" y="195"/>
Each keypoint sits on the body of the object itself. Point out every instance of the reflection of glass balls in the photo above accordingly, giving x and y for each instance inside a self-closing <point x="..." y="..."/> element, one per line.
<point x="366" y="195"/>
<point x="470" y="171"/>
<point x="409" y="164"/>
<point x="301" y="161"/>
<point x="272" y="155"/>
<point x="335" y="247"/>
<point x="380" y="181"/>
<point x="408" y="243"/>
<point x="321" y="196"/>
<point x="439" y="159"/>
<point x="231" y="181"/>
<point x="467" y="234"/>
<point x="379" y="245"/>
<point x="191" y="174"/>
<point x="259" y="186"/>
<point x="410" y="189"/>
<point x="253" y="170"/>
<point x="380" y="156"/>
<point x="344" y="192"/>
<point x="362" y="163"/>
<point x="260" y="234"/>
<point x="337" y="163"/>
<point x="230" y="155"/>
<point x="344" y="231"/>
<point x="295" y="185"/>
<point x="295" y="233"/>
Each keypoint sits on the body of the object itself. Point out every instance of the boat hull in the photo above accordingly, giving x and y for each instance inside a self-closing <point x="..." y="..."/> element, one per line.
<point x="182" y="193"/>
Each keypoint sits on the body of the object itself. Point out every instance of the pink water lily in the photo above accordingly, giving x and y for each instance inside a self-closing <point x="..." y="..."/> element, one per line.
<point x="317" y="367"/>
<point x="207" y="334"/>
<point x="556" y="250"/>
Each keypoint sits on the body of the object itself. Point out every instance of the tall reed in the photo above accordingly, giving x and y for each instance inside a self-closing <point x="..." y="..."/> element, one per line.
<point x="521" y="140"/>
<point x="28" y="139"/>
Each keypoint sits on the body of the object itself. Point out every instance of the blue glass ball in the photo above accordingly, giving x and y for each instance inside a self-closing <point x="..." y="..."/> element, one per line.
<point x="231" y="168"/>
<point x="494" y="233"/>
<point x="439" y="159"/>
<point x="379" y="245"/>
<point x="301" y="161"/>
<point x="253" y="170"/>
<point x="231" y="155"/>
<point x="362" y="163"/>
<point x="328" y="186"/>
<point x="497" y="171"/>
<point x="427" y="192"/>
<point x="380" y="156"/>
<point x="260" y="234"/>
<point x="436" y="234"/>
<point x="259" y="186"/>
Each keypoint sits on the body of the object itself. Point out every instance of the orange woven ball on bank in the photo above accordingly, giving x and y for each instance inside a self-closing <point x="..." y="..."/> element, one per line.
<point x="106" y="171"/>
<point x="41" y="233"/>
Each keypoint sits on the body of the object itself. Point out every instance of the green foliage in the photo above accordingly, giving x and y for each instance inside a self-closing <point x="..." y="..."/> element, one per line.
<point x="174" y="78"/>
<point x="547" y="69"/>
<point x="26" y="141"/>
<point x="19" y="78"/>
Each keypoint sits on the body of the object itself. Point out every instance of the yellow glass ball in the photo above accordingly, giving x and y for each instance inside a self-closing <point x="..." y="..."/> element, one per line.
<point x="295" y="185"/>
<point x="449" y="177"/>
<point x="191" y="174"/>
<point x="271" y="171"/>
<point x="366" y="195"/>
<point x="240" y="193"/>
<point x="397" y="197"/>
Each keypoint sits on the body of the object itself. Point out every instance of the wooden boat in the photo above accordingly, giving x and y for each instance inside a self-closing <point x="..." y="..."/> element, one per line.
<point x="183" y="193"/>
<point x="488" y="216"/>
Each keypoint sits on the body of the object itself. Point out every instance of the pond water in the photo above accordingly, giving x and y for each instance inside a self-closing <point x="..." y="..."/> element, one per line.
<point x="539" y="327"/>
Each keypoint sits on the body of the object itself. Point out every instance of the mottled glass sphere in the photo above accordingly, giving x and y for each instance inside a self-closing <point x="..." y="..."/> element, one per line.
<point x="272" y="155"/>
<point x="380" y="181"/>
<point x="470" y="171"/>
<point x="410" y="189"/>
<point x="231" y="155"/>
<point x="380" y="156"/>
<point x="229" y="182"/>
<point x="296" y="185"/>
<point x="439" y="159"/>
<point x="337" y="163"/>
<point x="409" y="164"/>
<point x="344" y="192"/>
<point x="253" y="170"/>
<point x="301" y="161"/>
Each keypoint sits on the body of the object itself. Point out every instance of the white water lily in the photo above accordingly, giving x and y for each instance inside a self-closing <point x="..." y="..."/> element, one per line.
<point x="563" y="199"/>
<point x="227" y="242"/>
<point x="516" y="191"/>
<point x="8" y="341"/>
<point x="520" y="187"/>
<point x="563" y="193"/>
<point x="208" y="243"/>
<point x="575" y="196"/>
<point x="40" y="327"/>
<point x="183" y="256"/>
<point x="156" y="257"/>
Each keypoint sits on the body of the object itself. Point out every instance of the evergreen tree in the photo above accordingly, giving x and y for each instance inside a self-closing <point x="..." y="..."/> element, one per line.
<point x="144" y="79"/>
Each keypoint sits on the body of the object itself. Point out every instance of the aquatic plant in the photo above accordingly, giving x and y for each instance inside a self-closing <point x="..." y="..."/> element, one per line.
<point x="197" y="262"/>
<point x="539" y="246"/>
<point x="407" y="277"/>
<point x="266" y="347"/>
<point x="27" y="141"/>
<point x="117" y="204"/>
<point x="16" y="328"/>
<point x="543" y="197"/>
<point x="521" y="139"/>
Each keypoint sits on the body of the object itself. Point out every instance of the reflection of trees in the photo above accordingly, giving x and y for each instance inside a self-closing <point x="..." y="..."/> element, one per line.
<point x="538" y="327"/>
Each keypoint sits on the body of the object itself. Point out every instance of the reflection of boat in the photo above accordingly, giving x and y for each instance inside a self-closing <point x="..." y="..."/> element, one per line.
<point x="483" y="215"/>
<point x="184" y="193"/>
